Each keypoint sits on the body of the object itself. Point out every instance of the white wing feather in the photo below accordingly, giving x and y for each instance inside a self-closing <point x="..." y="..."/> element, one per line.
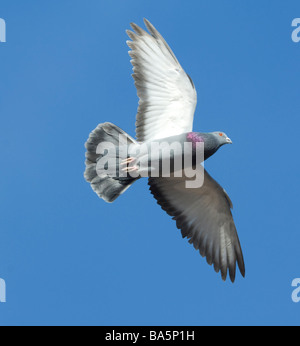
<point x="167" y="94"/>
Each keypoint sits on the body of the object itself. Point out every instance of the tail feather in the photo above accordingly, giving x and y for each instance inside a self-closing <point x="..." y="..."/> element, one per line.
<point x="107" y="187"/>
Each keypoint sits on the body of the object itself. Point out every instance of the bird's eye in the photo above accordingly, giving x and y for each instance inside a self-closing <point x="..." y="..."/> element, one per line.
<point x="221" y="134"/>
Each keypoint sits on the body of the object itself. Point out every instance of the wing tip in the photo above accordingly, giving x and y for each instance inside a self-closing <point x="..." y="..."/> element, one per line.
<point x="232" y="271"/>
<point x="150" y="27"/>
<point x="138" y="29"/>
<point x="242" y="270"/>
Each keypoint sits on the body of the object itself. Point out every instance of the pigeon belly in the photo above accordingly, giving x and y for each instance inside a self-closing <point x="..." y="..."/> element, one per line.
<point x="165" y="156"/>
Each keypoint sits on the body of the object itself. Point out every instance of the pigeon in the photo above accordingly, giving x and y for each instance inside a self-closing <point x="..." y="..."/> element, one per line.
<point x="167" y="102"/>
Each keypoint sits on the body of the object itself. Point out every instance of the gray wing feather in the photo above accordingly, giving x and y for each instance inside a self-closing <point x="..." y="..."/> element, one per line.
<point x="205" y="218"/>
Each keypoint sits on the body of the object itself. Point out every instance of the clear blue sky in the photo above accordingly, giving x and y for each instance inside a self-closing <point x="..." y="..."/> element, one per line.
<point x="68" y="257"/>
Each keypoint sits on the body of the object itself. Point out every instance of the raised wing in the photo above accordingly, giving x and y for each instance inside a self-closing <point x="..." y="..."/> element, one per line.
<point x="204" y="217"/>
<point x="167" y="94"/>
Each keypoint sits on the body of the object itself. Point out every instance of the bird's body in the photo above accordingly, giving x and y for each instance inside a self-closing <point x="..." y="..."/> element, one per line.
<point x="169" y="153"/>
<point x="180" y="150"/>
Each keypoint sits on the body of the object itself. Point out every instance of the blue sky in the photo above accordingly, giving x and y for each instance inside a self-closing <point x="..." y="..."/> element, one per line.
<point x="67" y="257"/>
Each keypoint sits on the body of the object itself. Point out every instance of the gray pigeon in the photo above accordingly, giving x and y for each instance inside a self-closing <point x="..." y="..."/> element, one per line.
<point x="115" y="160"/>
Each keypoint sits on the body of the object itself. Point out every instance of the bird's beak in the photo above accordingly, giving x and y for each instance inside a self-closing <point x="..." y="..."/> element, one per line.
<point x="228" y="140"/>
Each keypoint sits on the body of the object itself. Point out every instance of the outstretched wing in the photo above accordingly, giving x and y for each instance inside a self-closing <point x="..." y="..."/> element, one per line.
<point x="167" y="94"/>
<point x="204" y="217"/>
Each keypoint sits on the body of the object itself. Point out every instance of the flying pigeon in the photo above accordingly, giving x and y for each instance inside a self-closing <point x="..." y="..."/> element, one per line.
<point x="167" y="102"/>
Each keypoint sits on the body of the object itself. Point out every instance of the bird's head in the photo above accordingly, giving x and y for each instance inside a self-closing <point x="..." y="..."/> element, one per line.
<point x="213" y="141"/>
<point x="221" y="138"/>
